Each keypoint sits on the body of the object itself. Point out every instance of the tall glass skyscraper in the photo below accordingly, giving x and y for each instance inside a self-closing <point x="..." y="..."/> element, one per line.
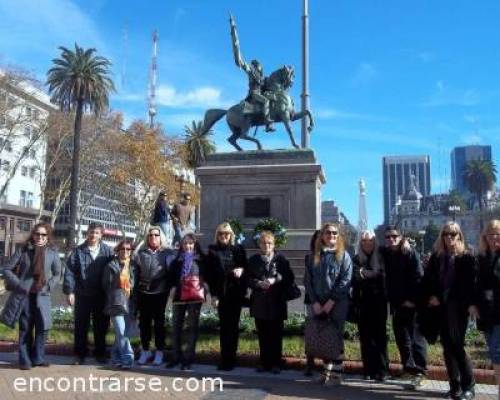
<point x="396" y="172"/>
<point x="460" y="156"/>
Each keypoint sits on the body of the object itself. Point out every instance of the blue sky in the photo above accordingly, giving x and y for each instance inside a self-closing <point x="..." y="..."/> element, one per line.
<point x="387" y="77"/>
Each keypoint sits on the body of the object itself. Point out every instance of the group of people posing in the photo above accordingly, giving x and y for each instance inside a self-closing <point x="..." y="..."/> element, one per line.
<point x="428" y="301"/>
<point x="124" y="285"/>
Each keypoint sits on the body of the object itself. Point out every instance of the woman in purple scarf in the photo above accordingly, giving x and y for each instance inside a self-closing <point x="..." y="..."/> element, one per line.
<point x="188" y="275"/>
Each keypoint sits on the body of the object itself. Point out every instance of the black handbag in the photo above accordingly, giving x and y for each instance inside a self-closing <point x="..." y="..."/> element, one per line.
<point x="292" y="292"/>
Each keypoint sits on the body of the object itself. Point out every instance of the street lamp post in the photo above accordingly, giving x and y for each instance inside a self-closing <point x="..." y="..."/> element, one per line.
<point x="454" y="209"/>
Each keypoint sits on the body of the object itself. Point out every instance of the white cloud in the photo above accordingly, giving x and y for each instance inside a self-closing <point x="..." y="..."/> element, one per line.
<point x="364" y="73"/>
<point x="200" y="97"/>
<point x="168" y="96"/>
<point x="334" y="114"/>
<point x="129" y="97"/>
<point x="42" y="25"/>
<point x="444" y="95"/>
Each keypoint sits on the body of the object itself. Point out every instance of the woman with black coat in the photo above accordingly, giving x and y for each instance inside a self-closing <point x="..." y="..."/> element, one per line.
<point x="188" y="274"/>
<point x="227" y="263"/>
<point x="269" y="276"/>
<point x="489" y="291"/>
<point x="450" y="284"/>
<point x="371" y="300"/>
<point x="32" y="274"/>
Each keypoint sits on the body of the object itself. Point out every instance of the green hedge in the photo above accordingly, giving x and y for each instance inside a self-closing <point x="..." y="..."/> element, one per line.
<point x="294" y="325"/>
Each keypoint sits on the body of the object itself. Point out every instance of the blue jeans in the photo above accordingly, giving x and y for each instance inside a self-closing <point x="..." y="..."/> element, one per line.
<point x="31" y="350"/>
<point x="493" y="340"/>
<point x="168" y="231"/>
<point x="121" y="352"/>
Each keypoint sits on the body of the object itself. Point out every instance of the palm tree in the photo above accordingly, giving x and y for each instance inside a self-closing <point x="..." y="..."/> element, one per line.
<point x="480" y="176"/>
<point x="198" y="143"/>
<point x="197" y="146"/>
<point x="79" y="81"/>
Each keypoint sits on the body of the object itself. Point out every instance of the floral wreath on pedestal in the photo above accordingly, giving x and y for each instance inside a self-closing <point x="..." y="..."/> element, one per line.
<point x="237" y="228"/>
<point x="274" y="226"/>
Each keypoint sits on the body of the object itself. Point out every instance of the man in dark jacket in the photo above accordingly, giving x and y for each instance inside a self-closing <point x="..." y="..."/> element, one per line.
<point x="403" y="274"/>
<point x="83" y="286"/>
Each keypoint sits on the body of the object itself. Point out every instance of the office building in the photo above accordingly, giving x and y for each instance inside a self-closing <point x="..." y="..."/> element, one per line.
<point x="397" y="172"/>
<point x="462" y="155"/>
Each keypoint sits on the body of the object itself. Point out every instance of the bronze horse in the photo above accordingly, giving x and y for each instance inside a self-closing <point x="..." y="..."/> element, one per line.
<point x="240" y="119"/>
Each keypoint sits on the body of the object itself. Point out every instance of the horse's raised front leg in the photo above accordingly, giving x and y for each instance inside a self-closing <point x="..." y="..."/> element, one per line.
<point x="311" y="121"/>
<point x="306" y="114"/>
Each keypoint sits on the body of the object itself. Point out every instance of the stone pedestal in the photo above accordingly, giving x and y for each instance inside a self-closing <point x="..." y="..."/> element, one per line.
<point x="251" y="185"/>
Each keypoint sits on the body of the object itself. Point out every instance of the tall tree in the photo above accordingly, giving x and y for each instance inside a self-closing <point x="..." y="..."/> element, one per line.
<point x="197" y="143"/>
<point x="143" y="164"/>
<point x="480" y="176"/>
<point x="197" y="146"/>
<point x="78" y="81"/>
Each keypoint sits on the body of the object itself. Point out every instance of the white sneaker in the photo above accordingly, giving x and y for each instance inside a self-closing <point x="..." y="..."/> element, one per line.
<point x="158" y="360"/>
<point x="144" y="357"/>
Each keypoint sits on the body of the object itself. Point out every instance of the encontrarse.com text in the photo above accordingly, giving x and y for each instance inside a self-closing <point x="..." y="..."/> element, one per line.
<point x="100" y="384"/>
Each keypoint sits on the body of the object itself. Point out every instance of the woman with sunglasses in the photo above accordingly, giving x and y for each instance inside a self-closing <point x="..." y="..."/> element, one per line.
<point x="227" y="262"/>
<point x="118" y="282"/>
<point x="489" y="291"/>
<point x="403" y="277"/>
<point x="327" y="282"/>
<point x="151" y="289"/>
<point x="450" y="284"/>
<point x="32" y="273"/>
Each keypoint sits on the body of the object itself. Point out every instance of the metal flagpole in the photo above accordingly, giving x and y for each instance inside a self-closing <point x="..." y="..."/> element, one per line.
<point x="305" y="74"/>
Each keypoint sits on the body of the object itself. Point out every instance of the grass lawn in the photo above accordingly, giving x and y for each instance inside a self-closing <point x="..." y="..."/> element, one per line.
<point x="293" y="346"/>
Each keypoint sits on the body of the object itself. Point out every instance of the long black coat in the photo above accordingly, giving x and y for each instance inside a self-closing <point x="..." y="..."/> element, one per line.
<point x="489" y="290"/>
<point x="22" y="281"/>
<point x="462" y="292"/>
<point x="464" y="287"/>
<point x="270" y="304"/>
<point x="222" y="260"/>
<point x="403" y="276"/>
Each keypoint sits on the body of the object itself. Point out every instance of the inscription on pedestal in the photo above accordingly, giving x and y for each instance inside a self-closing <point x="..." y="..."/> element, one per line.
<point x="257" y="208"/>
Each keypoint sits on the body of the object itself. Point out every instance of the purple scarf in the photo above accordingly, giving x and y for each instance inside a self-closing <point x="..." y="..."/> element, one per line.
<point x="187" y="261"/>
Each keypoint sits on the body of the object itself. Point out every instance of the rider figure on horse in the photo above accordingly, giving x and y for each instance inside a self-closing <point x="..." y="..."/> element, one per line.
<point x="256" y="79"/>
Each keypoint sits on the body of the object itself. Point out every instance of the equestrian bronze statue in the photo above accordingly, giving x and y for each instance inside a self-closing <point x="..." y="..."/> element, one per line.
<point x="267" y="101"/>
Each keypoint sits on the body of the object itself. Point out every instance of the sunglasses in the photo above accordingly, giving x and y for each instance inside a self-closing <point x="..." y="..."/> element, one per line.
<point x="40" y="234"/>
<point x="450" y="234"/>
<point x="334" y="233"/>
<point x="392" y="236"/>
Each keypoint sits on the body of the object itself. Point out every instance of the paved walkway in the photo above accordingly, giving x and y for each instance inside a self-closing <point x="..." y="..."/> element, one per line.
<point x="104" y="382"/>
